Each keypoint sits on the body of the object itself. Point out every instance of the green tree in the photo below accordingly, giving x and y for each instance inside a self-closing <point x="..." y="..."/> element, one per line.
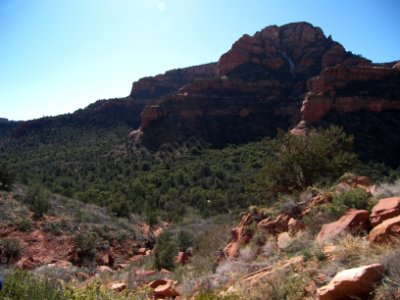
<point x="298" y="162"/>
<point x="6" y="177"/>
<point x="164" y="252"/>
<point x="185" y="240"/>
<point x="38" y="198"/>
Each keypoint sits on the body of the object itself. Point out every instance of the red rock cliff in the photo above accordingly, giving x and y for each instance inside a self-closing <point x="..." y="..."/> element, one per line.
<point x="261" y="79"/>
<point x="346" y="89"/>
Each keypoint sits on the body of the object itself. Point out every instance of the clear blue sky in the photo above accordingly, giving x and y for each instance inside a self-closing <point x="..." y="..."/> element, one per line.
<point x="60" y="55"/>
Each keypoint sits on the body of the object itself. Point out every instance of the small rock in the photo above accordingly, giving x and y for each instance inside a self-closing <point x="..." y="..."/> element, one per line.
<point x="284" y="240"/>
<point x="163" y="288"/>
<point x="118" y="286"/>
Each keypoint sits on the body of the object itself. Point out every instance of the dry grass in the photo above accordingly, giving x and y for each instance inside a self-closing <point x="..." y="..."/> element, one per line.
<point x="386" y="190"/>
<point x="283" y="284"/>
<point x="390" y="287"/>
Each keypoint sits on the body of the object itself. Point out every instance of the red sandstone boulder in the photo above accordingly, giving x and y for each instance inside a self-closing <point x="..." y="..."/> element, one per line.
<point x="275" y="226"/>
<point x="283" y="240"/>
<point x="354" y="283"/>
<point x="385" y="209"/>
<point x="240" y="236"/>
<point x="315" y="201"/>
<point x="295" y="226"/>
<point x="163" y="288"/>
<point x="352" y="221"/>
<point x="385" y="231"/>
<point x="118" y="286"/>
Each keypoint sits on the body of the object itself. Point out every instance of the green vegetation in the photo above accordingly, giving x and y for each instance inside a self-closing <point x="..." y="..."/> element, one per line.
<point x="98" y="165"/>
<point x="354" y="198"/>
<point x="196" y="189"/>
<point x="164" y="252"/>
<point x="38" y="199"/>
<point x="298" y="162"/>
<point x="185" y="240"/>
<point x="24" y="224"/>
<point x="10" y="250"/>
<point x="21" y="285"/>
<point x="6" y="177"/>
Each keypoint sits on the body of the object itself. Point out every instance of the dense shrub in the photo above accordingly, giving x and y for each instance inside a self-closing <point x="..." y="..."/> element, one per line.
<point x="86" y="246"/>
<point x="38" y="199"/>
<point x="6" y="177"/>
<point x="164" y="252"/>
<point x="10" y="250"/>
<point x="354" y="198"/>
<point x="25" y="224"/>
<point x="298" y="162"/>
<point x="185" y="240"/>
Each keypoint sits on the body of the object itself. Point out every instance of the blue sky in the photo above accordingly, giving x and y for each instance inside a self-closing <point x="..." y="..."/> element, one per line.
<point x="60" y="55"/>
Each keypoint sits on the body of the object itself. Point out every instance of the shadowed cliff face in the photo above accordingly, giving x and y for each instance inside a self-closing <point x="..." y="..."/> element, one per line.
<point x="365" y="101"/>
<point x="259" y="88"/>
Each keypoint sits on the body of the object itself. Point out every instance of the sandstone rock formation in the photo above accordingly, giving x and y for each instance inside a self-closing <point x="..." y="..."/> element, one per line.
<point x="385" y="231"/>
<point x="354" y="283"/>
<point x="385" y="209"/>
<point x="261" y="79"/>
<point x="277" y="78"/>
<point x="169" y="82"/>
<point x="347" y="89"/>
<point x="352" y="221"/>
<point x="275" y="226"/>
<point x="295" y="226"/>
<point x="240" y="236"/>
<point x="347" y="96"/>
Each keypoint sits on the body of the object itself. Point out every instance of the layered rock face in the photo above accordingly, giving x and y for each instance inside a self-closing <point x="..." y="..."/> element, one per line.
<point x="364" y="100"/>
<point x="275" y="79"/>
<point x="169" y="82"/>
<point x="258" y="89"/>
